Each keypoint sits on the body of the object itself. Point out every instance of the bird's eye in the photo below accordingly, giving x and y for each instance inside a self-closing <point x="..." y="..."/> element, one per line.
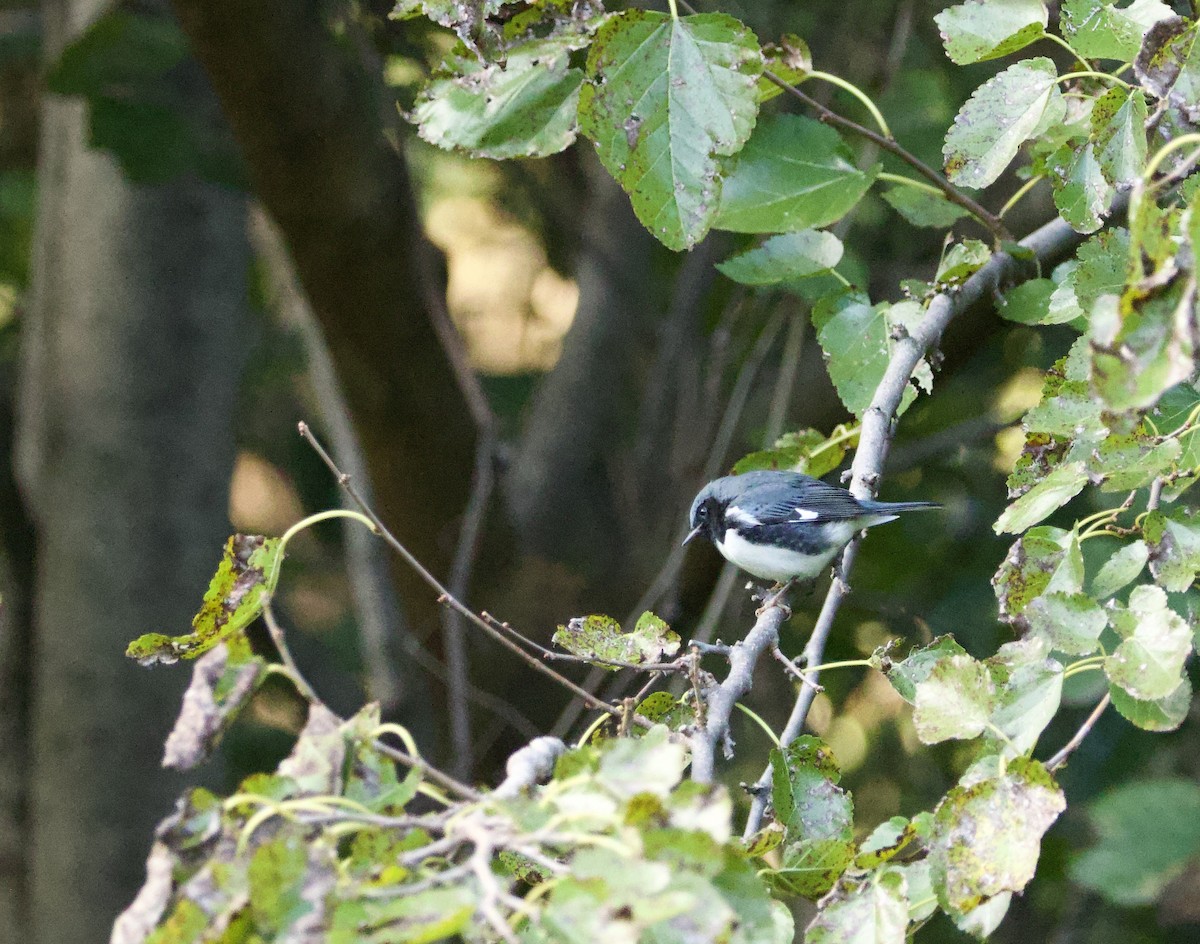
<point x="702" y="512"/>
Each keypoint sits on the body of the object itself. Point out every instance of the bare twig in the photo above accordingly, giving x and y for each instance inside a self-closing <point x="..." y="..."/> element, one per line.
<point x="1069" y="748"/>
<point x="719" y="701"/>
<point x="454" y="630"/>
<point x="1047" y="244"/>
<point x="277" y="636"/>
<point x="443" y="780"/>
<point x="444" y="595"/>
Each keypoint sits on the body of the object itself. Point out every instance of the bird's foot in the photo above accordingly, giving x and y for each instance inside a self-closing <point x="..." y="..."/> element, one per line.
<point x="774" y="598"/>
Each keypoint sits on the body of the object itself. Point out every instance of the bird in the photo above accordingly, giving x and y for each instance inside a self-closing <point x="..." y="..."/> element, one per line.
<point x="784" y="526"/>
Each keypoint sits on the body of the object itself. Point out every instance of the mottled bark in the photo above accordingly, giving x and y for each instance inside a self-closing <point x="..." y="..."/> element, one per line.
<point x="131" y="356"/>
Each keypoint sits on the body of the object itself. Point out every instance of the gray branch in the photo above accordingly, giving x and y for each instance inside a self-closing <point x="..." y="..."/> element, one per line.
<point x="1048" y="244"/>
<point x="719" y="701"/>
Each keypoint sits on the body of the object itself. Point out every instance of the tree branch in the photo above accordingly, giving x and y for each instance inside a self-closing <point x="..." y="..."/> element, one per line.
<point x="719" y="701"/>
<point x="1047" y="244"/>
<point x="446" y="598"/>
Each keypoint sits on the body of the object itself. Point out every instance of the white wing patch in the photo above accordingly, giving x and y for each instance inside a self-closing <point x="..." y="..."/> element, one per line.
<point x="741" y="516"/>
<point x="804" y="514"/>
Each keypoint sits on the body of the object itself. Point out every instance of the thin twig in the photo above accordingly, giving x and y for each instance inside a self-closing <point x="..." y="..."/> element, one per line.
<point x="1084" y="729"/>
<point x="989" y="220"/>
<point x="1047" y="244"/>
<point x="454" y="630"/>
<point x="444" y="595"/>
<point x="277" y="636"/>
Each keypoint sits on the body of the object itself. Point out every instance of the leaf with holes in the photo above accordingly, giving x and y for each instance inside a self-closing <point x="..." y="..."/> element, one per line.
<point x="667" y="101"/>
<point x="239" y="589"/>
<point x="1098" y="29"/>
<point x="1119" y="126"/>
<point x="987" y="834"/>
<point x="1000" y="116"/>
<point x="1156" y="643"/>
<point x="1174" y="544"/>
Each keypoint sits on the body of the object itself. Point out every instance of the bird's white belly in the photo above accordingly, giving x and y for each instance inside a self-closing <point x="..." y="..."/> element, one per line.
<point x="774" y="563"/>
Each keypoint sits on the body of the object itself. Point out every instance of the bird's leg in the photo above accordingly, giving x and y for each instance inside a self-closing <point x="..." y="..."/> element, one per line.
<point x="777" y="593"/>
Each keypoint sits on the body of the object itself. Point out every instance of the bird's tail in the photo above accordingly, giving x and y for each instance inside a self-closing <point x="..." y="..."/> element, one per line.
<point x="889" y="508"/>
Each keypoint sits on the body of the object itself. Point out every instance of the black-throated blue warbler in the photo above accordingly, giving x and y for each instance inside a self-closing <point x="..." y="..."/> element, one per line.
<point x="784" y="526"/>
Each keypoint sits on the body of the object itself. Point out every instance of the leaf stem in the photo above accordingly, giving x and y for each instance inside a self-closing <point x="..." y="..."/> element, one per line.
<point x="1069" y="748"/>
<point x="757" y="718"/>
<point x="989" y="220"/>
<point x="908" y="182"/>
<point x="1016" y="197"/>
<point x="1068" y="47"/>
<point x="674" y="10"/>
<point x="858" y="93"/>
<point x="1092" y="74"/>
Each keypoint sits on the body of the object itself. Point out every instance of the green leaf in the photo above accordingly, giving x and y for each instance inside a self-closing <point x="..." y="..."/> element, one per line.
<point x="1174" y="545"/>
<point x="857" y="338"/>
<point x="235" y="597"/>
<point x="1081" y="192"/>
<point x="784" y="257"/>
<point x="1157" y="641"/>
<point x="693" y="80"/>
<point x="983" y="919"/>
<point x="1148" y="831"/>
<point x="961" y="260"/>
<point x="1142" y="345"/>
<point x="223" y="679"/>
<point x="1000" y="116"/>
<point x="871" y="911"/>
<point x="922" y="208"/>
<point x="910" y="672"/>
<point x="1120" y="570"/>
<point x="1161" y="714"/>
<point x="794" y="173"/>
<point x="1103" y="266"/>
<point x="1028" y="695"/>
<point x="1070" y="622"/>
<point x="290" y="879"/>
<point x="649" y="764"/>
<point x="600" y="638"/>
<point x="954" y="701"/>
<point x="807" y="799"/>
<point x="418" y="918"/>
<point x="1055" y="490"/>
<point x="811" y="867"/>
<point x="1028" y="303"/>
<point x="988" y="29"/>
<point x="987" y="836"/>
<point x="317" y="760"/>
<point x="1043" y="560"/>
<point x="1098" y="30"/>
<point x="523" y="108"/>
<point x="809" y="451"/>
<point x="1119" y="125"/>
<point x="1168" y="65"/>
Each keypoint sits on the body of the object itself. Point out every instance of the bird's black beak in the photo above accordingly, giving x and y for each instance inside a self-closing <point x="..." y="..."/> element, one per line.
<point x="695" y="532"/>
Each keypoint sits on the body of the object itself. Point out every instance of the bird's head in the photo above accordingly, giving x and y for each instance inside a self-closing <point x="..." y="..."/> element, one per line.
<point x="707" y="517"/>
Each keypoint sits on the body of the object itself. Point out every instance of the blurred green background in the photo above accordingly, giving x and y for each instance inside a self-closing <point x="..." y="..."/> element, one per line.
<point x="214" y="222"/>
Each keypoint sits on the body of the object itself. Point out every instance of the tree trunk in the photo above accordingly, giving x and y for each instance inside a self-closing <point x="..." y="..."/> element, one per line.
<point x="132" y="351"/>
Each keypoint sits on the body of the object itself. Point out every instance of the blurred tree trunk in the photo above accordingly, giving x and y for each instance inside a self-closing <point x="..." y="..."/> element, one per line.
<point x="308" y="111"/>
<point x="131" y="356"/>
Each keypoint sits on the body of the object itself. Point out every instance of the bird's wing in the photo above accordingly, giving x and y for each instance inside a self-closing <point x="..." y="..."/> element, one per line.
<point x="816" y="503"/>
